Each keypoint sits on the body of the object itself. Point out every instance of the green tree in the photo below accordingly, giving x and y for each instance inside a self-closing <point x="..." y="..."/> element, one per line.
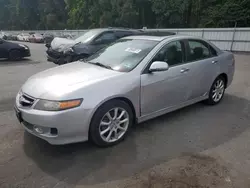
<point x="82" y="14"/>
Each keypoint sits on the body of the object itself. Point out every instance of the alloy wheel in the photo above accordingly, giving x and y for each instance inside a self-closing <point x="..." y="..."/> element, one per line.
<point x="114" y="125"/>
<point x="218" y="90"/>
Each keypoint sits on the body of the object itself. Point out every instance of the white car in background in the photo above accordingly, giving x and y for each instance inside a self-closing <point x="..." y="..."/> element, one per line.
<point x="23" y="37"/>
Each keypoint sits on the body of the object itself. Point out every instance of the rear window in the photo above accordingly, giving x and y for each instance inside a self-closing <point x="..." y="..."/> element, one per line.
<point x="198" y="50"/>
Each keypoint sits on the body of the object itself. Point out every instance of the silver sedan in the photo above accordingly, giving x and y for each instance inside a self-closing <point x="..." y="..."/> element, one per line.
<point x="133" y="80"/>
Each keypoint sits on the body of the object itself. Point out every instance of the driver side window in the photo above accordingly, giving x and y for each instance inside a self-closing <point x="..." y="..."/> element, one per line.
<point x="172" y="53"/>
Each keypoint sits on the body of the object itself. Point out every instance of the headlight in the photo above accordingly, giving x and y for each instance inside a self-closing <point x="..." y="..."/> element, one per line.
<point x="21" y="45"/>
<point x="46" y="105"/>
<point x="68" y="50"/>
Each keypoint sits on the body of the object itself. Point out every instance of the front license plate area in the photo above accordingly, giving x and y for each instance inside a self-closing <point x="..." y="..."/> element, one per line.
<point x="18" y="114"/>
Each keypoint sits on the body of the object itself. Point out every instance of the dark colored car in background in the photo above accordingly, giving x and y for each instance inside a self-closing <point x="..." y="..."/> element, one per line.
<point x="63" y="50"/>
<point x="13" y="51"/>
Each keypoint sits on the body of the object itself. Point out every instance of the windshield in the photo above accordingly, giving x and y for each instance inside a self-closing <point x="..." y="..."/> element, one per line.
<point x="86" y="37"/>
<point x="123" y="55"/>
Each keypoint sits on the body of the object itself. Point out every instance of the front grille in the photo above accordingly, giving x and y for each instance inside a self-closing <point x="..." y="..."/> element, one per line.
<point x="25" y="100"/>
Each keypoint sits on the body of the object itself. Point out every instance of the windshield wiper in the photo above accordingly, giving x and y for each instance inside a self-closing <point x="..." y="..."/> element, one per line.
<point x="100" y="65"/>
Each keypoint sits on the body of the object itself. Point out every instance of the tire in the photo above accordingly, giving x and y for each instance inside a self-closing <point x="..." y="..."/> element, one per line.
<point x="111" y="130"/>
<point x="214" y="98"/>
<point x="15" y="55"/>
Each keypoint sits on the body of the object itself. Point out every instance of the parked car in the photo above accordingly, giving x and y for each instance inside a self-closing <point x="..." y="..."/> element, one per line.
<point x="23" y="37"/>
<point x="13" y="51"/>
<point x="63" y="50"/>
<point x="3" y="35"/>
<point x="12" y="37"/>
<point x="36" y="38"/>
<point x="134" y="79"/>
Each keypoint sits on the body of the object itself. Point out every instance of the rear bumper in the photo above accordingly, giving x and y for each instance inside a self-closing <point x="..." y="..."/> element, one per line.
<point x="230" y="75"/>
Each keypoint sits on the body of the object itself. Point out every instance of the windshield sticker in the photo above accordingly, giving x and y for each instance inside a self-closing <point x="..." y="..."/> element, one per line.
<point x="133" y="50"/>
<point x="127" y="65"/>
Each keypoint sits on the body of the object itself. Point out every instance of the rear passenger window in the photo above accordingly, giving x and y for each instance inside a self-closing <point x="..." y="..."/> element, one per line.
<point x="172" y="53"/>
<point x="198" y="50"/>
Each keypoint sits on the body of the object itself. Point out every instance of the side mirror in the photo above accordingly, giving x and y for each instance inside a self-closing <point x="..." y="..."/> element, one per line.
<point x="158" y="66"/>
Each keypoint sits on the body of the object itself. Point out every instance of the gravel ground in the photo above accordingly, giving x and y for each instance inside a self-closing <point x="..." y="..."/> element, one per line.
<point x="198" y="146"/>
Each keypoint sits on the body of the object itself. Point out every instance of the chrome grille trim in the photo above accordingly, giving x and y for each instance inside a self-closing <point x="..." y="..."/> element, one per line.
<point x="26" y="100"/>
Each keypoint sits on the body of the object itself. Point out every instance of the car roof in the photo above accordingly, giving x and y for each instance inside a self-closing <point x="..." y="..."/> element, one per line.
<point x="161" y="38"/>
<point x="115" y="29"/>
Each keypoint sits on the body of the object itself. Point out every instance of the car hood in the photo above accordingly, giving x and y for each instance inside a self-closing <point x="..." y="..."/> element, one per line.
<point x="13" y="44"/>
<point x="55" y="83"/>
<point x="61" y="44"/>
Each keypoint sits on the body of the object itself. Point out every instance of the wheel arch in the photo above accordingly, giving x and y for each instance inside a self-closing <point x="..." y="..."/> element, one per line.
<point x="13" y="49"/>
<point x="121" y="98"/>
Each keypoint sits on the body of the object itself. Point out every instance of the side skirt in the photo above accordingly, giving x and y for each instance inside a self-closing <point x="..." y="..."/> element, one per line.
<point x="170" y="109"/>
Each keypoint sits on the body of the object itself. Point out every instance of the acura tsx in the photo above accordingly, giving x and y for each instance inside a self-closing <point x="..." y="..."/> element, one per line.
<point x="135" y="79"/>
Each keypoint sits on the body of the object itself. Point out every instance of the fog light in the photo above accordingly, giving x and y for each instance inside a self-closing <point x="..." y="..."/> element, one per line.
<point x="39" y="130"/>
<point x="53" y="131"/>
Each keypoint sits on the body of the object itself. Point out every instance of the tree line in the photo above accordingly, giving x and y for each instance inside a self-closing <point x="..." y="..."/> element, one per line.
<point x="84" y="14"/>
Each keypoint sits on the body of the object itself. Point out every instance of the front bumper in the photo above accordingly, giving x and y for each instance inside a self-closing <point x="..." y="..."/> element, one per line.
<point x="25" y="53"/>
<point x="61" y="60"/>
<point x="58" y="57"/>
<point x="58" y="128"/>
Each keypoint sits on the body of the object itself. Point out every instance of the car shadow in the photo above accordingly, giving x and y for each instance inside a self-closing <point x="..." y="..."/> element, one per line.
<point x="24" y="61"/>
<point x="190" y="130"/>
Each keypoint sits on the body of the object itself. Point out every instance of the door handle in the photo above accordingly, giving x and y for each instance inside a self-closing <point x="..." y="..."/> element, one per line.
<point x="214" y="62"/>
<point x="184" y="70"/>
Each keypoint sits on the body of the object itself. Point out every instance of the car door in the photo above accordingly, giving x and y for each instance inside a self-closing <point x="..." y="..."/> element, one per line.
<point x="103" y="39"/>
<point x="3" y="49"/>
<point x="161" y="90"/>
<point x="204" y="62"/>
